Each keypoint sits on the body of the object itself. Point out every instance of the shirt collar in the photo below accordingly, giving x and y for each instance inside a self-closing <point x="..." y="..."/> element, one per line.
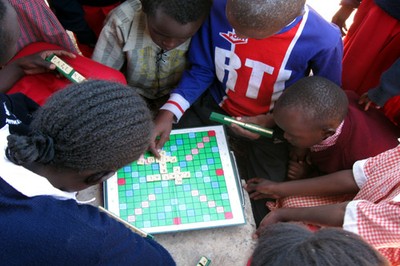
<point x="142" y="34"/>
<point x="25" y="181"/>
<point x="328" y="142"/>
<point x="294" y="22"/>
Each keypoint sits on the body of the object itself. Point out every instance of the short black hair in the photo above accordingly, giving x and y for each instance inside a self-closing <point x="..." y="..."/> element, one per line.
<point x="183" y="11"/>
<point x="317" y="98"/>
<point x="261" y="14"/>
<point x="94" y="125"/>
<point x="291" y="244"/>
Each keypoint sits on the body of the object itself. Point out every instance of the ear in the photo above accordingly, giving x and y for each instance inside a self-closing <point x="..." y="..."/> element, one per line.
<point x="327" y="132"/>
<point x="99" y="177"/>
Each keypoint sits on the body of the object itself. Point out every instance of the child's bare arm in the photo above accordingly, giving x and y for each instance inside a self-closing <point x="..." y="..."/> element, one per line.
<point x="338" y="183"/>
<point x="162" y="129"/>
<point x="326" y="215"/>
<point x="27" y="65"/>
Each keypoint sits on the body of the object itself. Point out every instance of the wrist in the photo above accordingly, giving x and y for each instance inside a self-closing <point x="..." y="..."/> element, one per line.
<point x="266" y="120"/>
<point x="166" y="116"/>
<point x="276" y="190"/>
<point x="280" y="215"/>
<point x="16" y="68"/>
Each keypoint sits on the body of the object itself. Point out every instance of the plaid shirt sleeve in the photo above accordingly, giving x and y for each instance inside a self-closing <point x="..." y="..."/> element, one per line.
<point x="109" y="46"/>
<point x="374" y="213"/>
<point x="378" y="224"/>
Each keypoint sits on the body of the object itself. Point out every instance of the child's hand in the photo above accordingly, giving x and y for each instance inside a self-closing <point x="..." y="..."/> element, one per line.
<point x="161" y="131"/>
<point x="297" y="170"/>
<point x="261" y="120"/>
<point x="36" y="63"/>
<point x="272" y="217"/>
<point x="365" y="100"/>
<point x="238" y="130"/>
<point x="261" y="188"/>
<point x="340" y="18"/>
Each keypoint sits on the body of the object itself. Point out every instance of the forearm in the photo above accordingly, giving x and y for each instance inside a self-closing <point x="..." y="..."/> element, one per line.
<point x="337" y="183"/>
<point x="350" y="3"/>
<point x="9" y="75"/>
<point x="326" y="215"/>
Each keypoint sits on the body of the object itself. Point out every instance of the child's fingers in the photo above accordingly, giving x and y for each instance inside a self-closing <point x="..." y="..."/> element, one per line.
<point x="261" y="196"/>
<point x="163" y="138"/>
<point x="252" y="185"/>
<point x="64" y="53"/>
<point x="243" y="132"/>
<point x="45" y="54"/>
<point x="153" y="150"/>
<point x="367" y="105"/>
<point x="254" y="180"/>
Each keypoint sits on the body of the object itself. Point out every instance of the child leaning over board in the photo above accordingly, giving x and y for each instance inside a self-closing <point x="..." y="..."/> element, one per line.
<point x="328" y="124"/>
<point x="318" y="116"/>
<point x="373" y="213"/>
<point x="148" y="40"/>
<point x="78" y="138"/>
<point x="242" y="58"/>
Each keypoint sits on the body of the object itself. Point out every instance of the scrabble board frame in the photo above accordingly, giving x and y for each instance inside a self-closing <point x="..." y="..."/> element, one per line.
<point x="195" y="185"/>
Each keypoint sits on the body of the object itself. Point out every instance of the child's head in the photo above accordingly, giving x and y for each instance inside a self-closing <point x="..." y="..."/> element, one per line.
<point x="292" y="244"/>
<point x="9" y="32"/>
<point x="88" y="130"/>
<point x="172" y="22"/>
<point x="260" y="19"/>
<point x="310" y="110"/>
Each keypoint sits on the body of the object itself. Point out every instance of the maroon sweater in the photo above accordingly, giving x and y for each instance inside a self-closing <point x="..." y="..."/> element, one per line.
<point x="364" y="134"/>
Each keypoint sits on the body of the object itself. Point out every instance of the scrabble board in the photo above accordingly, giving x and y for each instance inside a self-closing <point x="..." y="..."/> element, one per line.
<point x="193" y="185"/>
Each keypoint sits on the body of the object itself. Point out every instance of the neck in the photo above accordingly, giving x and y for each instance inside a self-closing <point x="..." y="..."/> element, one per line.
<point x="62" y="178"/>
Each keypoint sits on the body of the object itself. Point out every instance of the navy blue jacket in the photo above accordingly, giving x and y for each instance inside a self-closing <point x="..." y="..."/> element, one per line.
<point x="44" y="230"/>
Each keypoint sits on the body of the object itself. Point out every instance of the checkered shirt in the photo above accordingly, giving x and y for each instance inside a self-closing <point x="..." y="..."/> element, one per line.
<point x="374" y="213"/>
<point x="328" y="142"/>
